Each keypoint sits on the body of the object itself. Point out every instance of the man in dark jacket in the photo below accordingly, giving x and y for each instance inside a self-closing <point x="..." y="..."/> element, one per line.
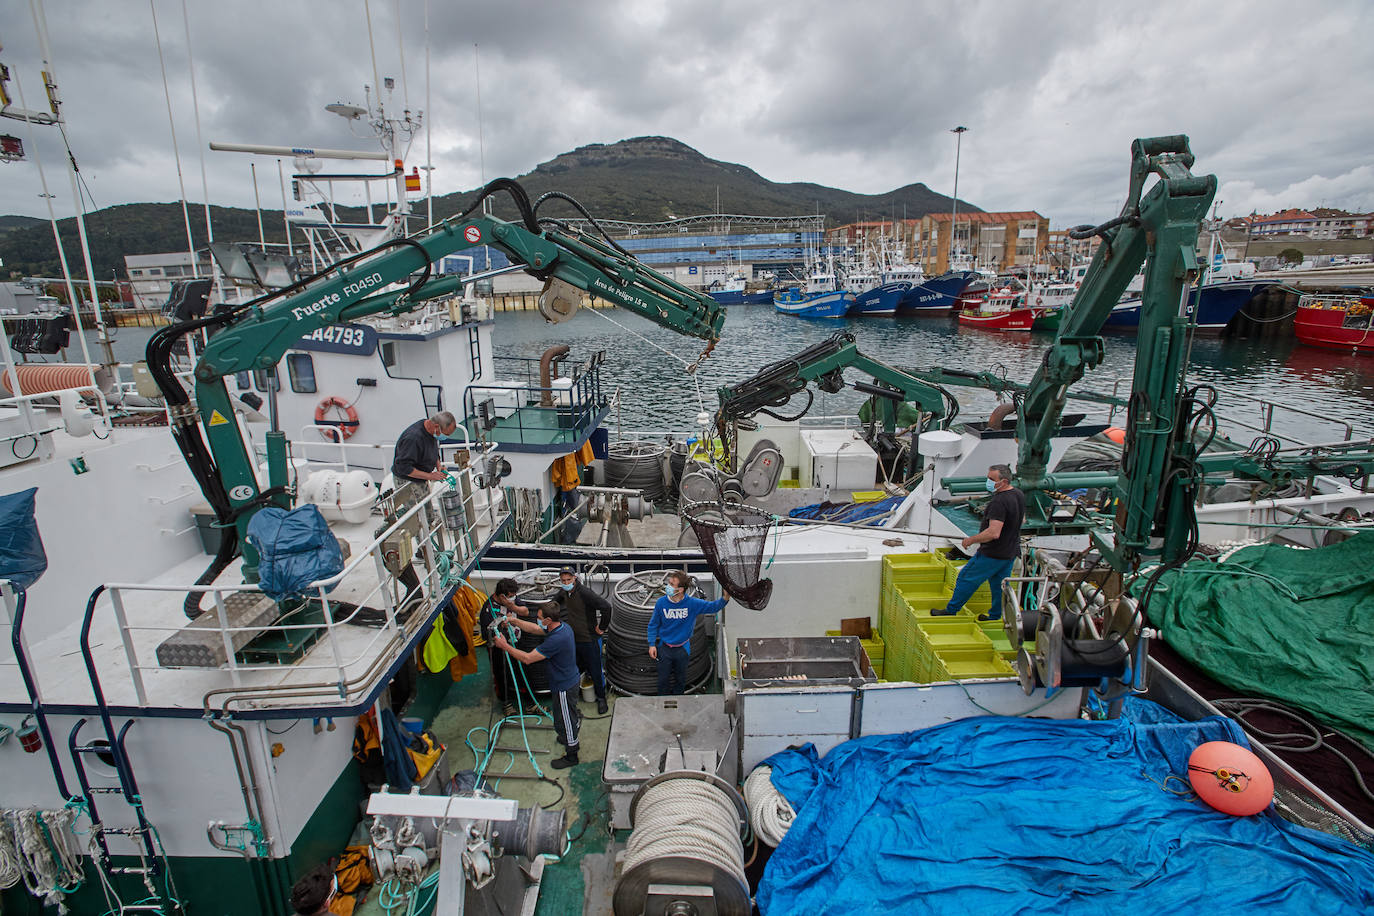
<point x="501" y="602"/>
<point x="417" y="449"/>
<point x="589" y="615"/>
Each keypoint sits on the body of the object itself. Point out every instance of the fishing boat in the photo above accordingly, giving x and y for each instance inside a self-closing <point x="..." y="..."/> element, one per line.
<point x="1223" y="290"/>
<point x="733" y="291"/>
<point x="821" y="296"/>
<point x="133" y="666"/>
<point x="884" y="294"/>
<point x="1336" y="322"/>
<point x="936" y="296"/>
<point x="1002" y="309"/>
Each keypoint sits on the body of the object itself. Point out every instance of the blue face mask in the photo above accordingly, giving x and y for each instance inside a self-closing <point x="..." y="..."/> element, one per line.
<point x="991" y="485"/>
<point x="543" y="626"/>
<point x="668" y="591"/>
<point x="567" y="586"/>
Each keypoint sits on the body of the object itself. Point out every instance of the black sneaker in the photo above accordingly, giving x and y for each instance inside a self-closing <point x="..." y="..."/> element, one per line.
<point x="601" y="707"/>
<point x="942" y="612"/>
<point x="569" y="759"/>
<point x="989" y="616"/>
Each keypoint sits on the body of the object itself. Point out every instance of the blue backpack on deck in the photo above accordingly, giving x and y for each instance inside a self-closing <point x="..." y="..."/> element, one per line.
<point x="295" y="548"/>
<point x="22" y="558"/>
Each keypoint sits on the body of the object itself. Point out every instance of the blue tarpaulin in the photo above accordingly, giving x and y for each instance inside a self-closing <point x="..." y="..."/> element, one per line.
<point x="996" y="815"/>
<point x="22" y="558"/>
<point x="296" y="548"/>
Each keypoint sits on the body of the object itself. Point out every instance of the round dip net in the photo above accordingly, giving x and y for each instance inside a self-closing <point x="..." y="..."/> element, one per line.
<point x="732" y="538"/>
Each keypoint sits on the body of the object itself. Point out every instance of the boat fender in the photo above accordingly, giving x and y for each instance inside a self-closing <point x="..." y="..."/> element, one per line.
<point x="346" y="427"/>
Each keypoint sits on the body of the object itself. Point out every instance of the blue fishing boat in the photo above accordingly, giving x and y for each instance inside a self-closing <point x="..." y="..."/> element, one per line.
<point x="938" y="295"/>
<point x="820" y="297"/>
<point x="731" y="291"/>
<point x="1214" y="304"/>
<point x="880" y="300"/>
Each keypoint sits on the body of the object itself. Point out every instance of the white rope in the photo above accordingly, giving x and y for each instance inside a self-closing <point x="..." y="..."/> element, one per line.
<point x="689" y="818"/>
<point x="701" y="401"/>
<point x="10" y="875"/>
<point x="49" y="859"/>
<point x="769" y="813"/>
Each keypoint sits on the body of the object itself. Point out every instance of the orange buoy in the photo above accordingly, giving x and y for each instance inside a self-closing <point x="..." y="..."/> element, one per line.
<point x="1230" y="778"/>
<point x="1116" y="434"/>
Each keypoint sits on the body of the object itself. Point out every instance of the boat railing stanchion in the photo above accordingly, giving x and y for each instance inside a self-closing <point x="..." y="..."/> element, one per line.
<point x="222" y="612"/>
<point x="333" y="642"/>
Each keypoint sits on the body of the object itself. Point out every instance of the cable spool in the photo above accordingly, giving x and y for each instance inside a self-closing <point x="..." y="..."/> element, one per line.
<point x="635" y="465"/>
<point x="677" y="463"/>
<point x="628" y="665"/>
<point x="686" y="839"/>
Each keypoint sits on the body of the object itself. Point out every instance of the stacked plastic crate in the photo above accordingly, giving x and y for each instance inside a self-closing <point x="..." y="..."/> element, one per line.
<point x="923" y="648"/>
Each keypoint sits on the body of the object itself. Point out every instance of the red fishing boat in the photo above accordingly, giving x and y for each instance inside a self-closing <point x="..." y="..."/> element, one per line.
<point x="1336" y="322"/>
<point x="999" y="310"/>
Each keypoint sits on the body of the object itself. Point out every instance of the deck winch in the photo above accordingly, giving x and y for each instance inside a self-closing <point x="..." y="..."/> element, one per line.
<point x="685" y="854"/>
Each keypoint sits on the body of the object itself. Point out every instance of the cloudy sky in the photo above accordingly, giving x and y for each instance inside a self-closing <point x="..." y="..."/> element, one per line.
<point x="861" y="96"/>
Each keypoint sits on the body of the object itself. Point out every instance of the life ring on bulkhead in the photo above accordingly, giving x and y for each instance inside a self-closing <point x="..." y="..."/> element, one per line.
<point x="1039" y="300"/>
<point x="345" y="427"/>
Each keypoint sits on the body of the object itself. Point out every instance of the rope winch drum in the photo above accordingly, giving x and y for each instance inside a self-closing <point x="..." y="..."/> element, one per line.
<point x="686" y="841"/>
<point x="636" y="465"/>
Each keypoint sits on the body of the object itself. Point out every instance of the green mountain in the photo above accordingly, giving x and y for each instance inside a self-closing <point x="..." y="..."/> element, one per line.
<point x="645" y="179"/>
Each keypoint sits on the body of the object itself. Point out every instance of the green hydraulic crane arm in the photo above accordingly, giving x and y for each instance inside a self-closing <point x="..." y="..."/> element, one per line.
<point x="1160" y="228"/>
<point x="823" y="364"/>
<point x="257" y="336"/>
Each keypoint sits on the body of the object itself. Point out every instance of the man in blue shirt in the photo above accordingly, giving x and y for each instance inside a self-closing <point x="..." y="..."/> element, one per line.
<point x="564" y="678"/>
<point x="670" y="631"/>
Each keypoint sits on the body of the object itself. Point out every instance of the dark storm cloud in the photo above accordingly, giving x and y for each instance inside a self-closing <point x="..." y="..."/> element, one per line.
<point x="859" y="96"/>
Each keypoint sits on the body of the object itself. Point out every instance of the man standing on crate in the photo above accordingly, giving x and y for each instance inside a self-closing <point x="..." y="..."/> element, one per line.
<point x="670" y="631"/>
<point x="564" y="678"/>
<point x="999" y="543"/>
<point x="589" y="615"/>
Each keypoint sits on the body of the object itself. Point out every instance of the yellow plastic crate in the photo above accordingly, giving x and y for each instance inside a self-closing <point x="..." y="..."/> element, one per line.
<point x="971" y="663"/>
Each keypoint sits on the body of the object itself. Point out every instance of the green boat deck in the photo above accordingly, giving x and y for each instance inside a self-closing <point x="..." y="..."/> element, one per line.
<point x="454" y="710"/>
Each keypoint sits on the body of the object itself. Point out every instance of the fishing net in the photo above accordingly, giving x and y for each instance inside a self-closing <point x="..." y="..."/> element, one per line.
<point x="732" y="538"/>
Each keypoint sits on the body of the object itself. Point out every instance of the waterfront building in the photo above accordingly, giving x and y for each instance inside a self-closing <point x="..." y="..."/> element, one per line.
<point x="991" y="241"/>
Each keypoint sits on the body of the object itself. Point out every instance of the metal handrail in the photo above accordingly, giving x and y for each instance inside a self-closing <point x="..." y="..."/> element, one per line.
<point x="431" y="524"/>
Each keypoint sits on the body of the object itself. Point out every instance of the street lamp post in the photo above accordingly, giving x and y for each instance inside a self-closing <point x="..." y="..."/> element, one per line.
<point x="954" y="210"/>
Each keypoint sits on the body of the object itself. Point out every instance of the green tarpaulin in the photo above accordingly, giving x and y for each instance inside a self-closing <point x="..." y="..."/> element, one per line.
<point x="1293" y="625"/>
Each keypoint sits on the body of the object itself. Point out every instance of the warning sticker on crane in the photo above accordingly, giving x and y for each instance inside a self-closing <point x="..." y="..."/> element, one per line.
<point x="217" y="418"/>
<point x="472" y="234"/>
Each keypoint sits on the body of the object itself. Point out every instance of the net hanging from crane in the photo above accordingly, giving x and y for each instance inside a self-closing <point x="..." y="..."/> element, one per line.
<point x="732" y="538"/>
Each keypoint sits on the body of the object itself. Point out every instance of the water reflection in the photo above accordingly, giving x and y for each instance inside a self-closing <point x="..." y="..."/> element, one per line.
<point x="658" y="394"/>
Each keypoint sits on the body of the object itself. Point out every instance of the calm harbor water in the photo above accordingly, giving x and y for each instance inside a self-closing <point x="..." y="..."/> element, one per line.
<point x="657" y="393"/>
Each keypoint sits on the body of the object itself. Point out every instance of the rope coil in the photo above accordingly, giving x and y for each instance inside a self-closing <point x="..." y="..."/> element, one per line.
<point x="770" y="814"/>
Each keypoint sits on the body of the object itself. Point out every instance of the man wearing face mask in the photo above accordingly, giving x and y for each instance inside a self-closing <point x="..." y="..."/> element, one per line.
<point x="999" y="543"/>
<point x="670" y="631"/>
<point x="559" y="650"/>
<point x="588" y="614"/>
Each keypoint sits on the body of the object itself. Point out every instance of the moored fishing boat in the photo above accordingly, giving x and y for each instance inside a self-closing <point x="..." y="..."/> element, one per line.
<point x="1002" y="309"/>
<point x="936" y="296"/>
<point x="1336" y="322"/>
<point x="821" y="296"/>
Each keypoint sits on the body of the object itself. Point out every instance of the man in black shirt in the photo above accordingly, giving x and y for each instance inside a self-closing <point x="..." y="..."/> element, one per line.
<point x="1000" y="545"/>
<point x="417" y="449"/>
<point x="589" y="614"/>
